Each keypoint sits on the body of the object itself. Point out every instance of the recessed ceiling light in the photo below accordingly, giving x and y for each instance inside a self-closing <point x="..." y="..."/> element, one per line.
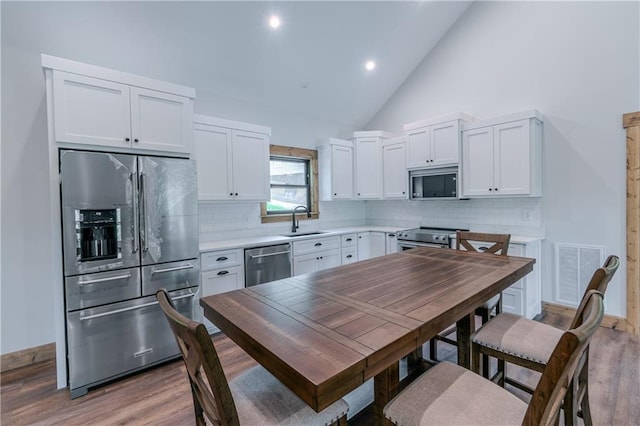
<point x="274" y="21"/>
<point x="370" y="65"/>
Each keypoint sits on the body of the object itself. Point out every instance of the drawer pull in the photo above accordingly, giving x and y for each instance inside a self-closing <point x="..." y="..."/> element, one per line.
<point x="222" y="259"/>
<point x="348" y="240"/>
<point x="223" y="272"/>
<point x="102" y="280"/>
<point x="349" y="256"/>
<point x="317" y="244"/>
<point x="177" y="268"/>
<point x="131" y="308"/>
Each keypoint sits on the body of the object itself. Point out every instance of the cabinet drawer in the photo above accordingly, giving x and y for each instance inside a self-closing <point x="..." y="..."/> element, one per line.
<point x="221" y="259"/>
<point x="221" y="281"/>
<point x="349" y="240"/>
<point x="513" y="301"/>
<point x="316" y="245"/>
<point x="349" y="255"/>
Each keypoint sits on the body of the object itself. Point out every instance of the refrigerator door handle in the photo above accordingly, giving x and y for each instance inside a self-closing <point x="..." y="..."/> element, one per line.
<point x="143" y="214"/>
<point x="135" y="212"/>
<point x="131" y="308"/>
<point x="177" y="268"/>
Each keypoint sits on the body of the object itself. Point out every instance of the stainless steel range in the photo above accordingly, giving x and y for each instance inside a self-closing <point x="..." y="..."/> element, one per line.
<point x="426" y="237"/>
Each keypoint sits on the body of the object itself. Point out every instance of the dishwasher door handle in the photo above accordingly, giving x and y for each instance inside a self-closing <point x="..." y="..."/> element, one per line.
<point x="258" y="256"/>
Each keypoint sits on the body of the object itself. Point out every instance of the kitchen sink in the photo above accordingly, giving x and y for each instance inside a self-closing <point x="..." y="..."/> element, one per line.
<point x="303" y="234"/>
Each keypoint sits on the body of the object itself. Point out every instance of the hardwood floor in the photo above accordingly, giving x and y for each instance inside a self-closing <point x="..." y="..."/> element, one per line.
<point x="161" y="395"/>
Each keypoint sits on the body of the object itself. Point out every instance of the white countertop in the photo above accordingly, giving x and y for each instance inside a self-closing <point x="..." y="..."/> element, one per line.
<point x="266" y="240"/>
<point x="277" y="239"/>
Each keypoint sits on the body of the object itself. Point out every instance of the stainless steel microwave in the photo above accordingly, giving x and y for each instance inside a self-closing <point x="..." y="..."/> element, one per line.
<point x="441" y="183"/>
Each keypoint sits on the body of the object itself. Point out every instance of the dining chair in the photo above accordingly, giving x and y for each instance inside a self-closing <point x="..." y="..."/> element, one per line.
<point x="529" y="344"/>
<point x="448" y="394"/>
<point x="253" y="398"/>
<point x="497" y="244"/>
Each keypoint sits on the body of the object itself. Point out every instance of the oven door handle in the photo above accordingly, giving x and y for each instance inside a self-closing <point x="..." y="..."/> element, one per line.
<point x="102" y="280"/>
<point x="131" y="308"/>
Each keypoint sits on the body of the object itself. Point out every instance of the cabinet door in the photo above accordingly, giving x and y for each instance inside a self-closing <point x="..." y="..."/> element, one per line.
<point x="250" y="166"/>
<point x="418" y="154"/>
<point x="477" y="162"/>
<point x="378" y="244"/>
<point x="395" y="176"/>
<point x="445" y="143"/>
<point x="364" y="245"/>
<point x="305" y="264"/>
<point x="368" y="168"/>
<point x="91" y="111"/>
<point x="329" y="259"/>
<point x="392" y="243"/>
<point x="161" y="121"/>
<point x="342" y="172"/>
<point x="212" y="152"/>
<point x="512" y="158"/>
<point x="349" y="255"/>
<point x="220" y="281"/>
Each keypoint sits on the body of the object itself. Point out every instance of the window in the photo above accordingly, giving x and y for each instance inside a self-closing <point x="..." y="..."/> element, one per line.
<point x="293" y="182"/>
<point x="289" y="184"/>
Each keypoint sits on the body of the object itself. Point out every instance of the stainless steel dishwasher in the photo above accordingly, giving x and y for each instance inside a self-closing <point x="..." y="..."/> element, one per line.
<point x="266" y="264"/>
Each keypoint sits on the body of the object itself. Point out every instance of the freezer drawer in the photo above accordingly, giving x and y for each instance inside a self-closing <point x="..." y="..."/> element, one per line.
<point x="86" y="291"/>
<point x="109" y="341"/>
<point x="170" y="276"/>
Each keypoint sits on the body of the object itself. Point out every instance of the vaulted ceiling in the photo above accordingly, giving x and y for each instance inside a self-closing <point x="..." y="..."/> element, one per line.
<point x="313" y="64"/>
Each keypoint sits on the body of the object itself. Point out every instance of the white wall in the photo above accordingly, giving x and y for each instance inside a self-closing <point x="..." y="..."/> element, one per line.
<point x="578" y="63"/>
<point x="69" y="31"/>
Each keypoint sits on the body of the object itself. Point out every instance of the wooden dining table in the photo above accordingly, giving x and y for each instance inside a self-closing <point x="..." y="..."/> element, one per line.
<point x="325" y="333"/>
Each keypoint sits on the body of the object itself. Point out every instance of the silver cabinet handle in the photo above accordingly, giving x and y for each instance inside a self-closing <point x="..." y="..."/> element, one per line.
<point x="103" y="280"/>
<point x="132" y="308"/>
<point x="257" y="256"/>
<point x="177" y="268"/>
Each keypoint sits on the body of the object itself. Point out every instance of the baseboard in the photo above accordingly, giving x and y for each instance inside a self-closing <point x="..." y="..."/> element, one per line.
<point x="609" y="321"/>
<point x="27" y="357"/>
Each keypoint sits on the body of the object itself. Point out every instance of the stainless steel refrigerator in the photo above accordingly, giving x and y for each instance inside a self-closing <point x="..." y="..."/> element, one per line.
<point x="130" y="227"/>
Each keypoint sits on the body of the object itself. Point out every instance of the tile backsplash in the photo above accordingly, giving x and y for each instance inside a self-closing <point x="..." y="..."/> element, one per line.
<point x="518" y="216"/>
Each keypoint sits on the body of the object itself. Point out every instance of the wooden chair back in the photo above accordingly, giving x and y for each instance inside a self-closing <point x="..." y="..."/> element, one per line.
<point x="209" y="387"/>
<point x="547" y="399"/>
<point x="599" y="282"/>
<point x="500" y="242"/>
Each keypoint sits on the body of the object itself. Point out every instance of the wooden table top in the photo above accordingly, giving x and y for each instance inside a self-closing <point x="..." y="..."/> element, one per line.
<point x="323" y="334"/>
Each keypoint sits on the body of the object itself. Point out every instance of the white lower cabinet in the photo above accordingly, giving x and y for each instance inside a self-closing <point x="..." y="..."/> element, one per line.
<point x="378" y="244"/>
<point x="524" y="297"/>
<point x="349" y="246"/>
<point x="392" y="242"/>
<point x="364" y="245"/>
<point x="316" y="254"/>
<point x="222" y="271"/>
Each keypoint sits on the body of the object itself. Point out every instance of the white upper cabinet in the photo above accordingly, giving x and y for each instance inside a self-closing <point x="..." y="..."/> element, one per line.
<point x="335" y="174"/>
<point x="232" y="160"/>
<point x="101" y="108"/>
<point x="394" y="162"/>
<point x="434" y="142"/>
<point x="161" y="121"/>
<point x="502" y="156"/>
<point x="368" y="164"/>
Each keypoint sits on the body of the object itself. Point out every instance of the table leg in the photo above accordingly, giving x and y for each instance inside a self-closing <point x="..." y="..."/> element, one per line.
<point x="385" y="387"/>
<point x="464" y="328"/>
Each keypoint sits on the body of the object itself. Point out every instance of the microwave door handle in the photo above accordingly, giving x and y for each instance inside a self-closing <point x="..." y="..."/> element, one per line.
<point x="135" y="211"/>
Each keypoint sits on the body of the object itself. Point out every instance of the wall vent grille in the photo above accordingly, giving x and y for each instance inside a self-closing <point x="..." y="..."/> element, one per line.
<point x="575" y="265"/>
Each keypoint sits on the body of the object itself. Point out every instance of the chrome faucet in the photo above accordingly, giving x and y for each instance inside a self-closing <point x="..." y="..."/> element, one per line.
<point x="296" y="224"/>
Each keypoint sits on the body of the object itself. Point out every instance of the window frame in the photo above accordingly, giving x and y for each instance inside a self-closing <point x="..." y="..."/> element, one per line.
<point x="297" y="153"/>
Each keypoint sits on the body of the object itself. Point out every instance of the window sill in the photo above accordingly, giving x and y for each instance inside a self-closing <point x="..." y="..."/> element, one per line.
<point x="274" y="218"/>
